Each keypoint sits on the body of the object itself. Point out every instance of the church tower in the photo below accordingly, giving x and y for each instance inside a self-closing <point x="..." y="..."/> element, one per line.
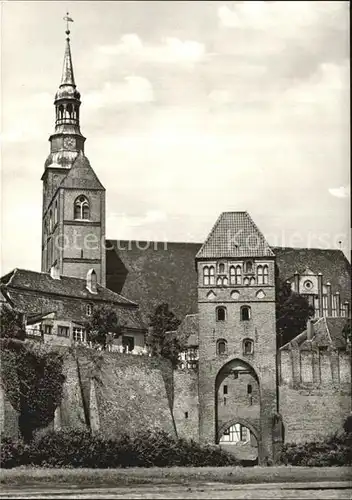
<point x="73" y="216"/>
<point x="237" y="337"/>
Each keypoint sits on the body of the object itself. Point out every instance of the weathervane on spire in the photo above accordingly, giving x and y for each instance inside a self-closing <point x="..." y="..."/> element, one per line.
<point x="68" y="19"/>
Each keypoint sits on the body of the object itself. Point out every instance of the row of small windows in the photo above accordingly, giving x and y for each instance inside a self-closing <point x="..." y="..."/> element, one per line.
<point x="247" y="347"/>
<point x="236" y="277"/>
<point x="81" y="212"/>
<point x="221" y="313"/>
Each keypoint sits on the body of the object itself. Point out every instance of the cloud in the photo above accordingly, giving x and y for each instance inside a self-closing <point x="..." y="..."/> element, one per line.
<point x="283" y="17"/>
<point x="133" y="89"/>
<point x="341" y="192"/>
<point x="171" y="50"/>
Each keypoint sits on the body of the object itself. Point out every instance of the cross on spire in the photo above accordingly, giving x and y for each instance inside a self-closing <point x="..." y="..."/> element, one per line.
<point x="68" y="19"/>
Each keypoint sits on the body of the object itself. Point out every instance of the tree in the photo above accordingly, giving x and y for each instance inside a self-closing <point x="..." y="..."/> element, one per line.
<point x="292" y="312"/>
<point x="162" y="339"/>
<point x="103" y="321"/>
<point x="11" y="323"/>
<point x="32" y="377"/>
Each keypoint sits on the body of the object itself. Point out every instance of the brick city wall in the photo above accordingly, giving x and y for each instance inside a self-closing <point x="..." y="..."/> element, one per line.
<point x="314" y="392"/>
<point x="185" y="405"/>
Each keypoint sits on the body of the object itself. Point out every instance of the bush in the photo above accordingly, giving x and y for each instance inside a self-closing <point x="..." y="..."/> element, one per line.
<point x="12" y="453"/>
<point x="80" y="448"/>
<point x="335" y="450"/>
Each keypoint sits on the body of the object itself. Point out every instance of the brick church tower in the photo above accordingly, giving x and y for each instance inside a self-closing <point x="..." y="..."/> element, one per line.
<point x="73" y="217"/>
<point x="237" y="336"/>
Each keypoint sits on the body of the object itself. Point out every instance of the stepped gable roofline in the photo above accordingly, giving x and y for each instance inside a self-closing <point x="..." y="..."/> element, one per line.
<point x="235" y="235"/>
<point x="68" y="286"/>
<point x="81" y="175"/>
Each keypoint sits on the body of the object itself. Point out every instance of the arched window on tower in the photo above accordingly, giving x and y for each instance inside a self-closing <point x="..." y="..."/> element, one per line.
<point x="221" y="346"/>
<point x="232" y="275"/>
<point x="221" y="268"/>
<point x="81" y="208"/>
<point x="265" y="275"/>
<point x="69" y="110"/>
<point x="206" y="275"/>
<point x="61" y="112"/>
<point x="248" y="346"/>
<point x="249" y="266"/>
<point x="245" y="313"/>
<point x="211" y="275"/>
<point x="260" y="275"/>
<point x="221" y="313"/>
<point x="238" y="275"/>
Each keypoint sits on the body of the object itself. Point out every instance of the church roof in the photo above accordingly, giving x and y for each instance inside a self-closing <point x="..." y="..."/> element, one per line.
<point x="81" y="175"/>
<point x="235" y="235"/>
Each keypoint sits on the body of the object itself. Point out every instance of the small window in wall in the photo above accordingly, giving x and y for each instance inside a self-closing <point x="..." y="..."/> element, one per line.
<point x="248" y="346"/>
<point x="48" y="329"/>
<point x="245" y="313"/>
<point x="220" y="313"/>
<point x="221" y="346"/>
<point x="78" y="334"/>
<point x="186" y="414"/>
<point x="89" y="309"/>
<point x="63" y="331"/>
<point x="225" y="389"/>
<point x="249" y="266"/>
<point x="221" y="268"/>
<point x="249" y="389"/>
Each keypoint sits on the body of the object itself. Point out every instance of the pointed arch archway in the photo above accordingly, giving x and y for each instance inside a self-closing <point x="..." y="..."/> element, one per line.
<point x="237" y="408"/>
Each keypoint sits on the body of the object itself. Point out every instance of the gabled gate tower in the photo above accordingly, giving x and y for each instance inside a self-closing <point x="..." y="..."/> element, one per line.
<point x="237" y="335"/>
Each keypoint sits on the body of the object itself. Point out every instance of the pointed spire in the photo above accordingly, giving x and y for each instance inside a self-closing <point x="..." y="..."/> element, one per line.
<point x="67" y="70"/>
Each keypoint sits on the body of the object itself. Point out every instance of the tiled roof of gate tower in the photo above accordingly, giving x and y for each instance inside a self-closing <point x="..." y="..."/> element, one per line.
<point x="235" y="235"/>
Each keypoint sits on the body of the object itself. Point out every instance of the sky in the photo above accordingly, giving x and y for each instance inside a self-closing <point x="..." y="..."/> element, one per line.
<point x="189" y="109"/>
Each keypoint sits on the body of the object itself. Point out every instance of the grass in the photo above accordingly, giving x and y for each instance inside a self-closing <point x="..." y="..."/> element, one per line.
<point x="124" y="477"/>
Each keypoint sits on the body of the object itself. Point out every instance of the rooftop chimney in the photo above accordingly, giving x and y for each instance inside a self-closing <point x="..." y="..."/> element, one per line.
<point x="297" y="282"/>
<point x="310" y="330"/>
<point x="338" y="304"/>
<point x="328" y="286"/>
<point x="92" y="281"/>
<point x="320" y="295"/>
<point x="54" y="272"/>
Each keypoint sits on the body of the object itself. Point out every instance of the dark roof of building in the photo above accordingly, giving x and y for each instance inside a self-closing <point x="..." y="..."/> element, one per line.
<point x="235" y="234"/>
<point x="66" y="285"/>
<point x="44" y="292"/>
<point x="333" y="265"/>
<point x="81" y="175"/>
<point x="327" y="331"/>
<point x="150" y="273"/>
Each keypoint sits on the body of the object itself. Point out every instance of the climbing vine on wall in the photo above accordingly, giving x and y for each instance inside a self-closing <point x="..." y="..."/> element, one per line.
<point x="32" y="376"/>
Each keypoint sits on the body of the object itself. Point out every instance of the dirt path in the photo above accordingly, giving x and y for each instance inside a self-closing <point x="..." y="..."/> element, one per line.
<point x="317" y="490"/>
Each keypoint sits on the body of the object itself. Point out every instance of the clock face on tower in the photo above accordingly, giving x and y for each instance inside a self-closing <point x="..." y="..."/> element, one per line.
<point x="69" y="142"/>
